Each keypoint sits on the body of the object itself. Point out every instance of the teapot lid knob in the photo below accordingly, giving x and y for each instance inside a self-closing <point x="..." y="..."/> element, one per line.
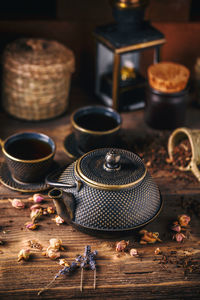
<point x="112" y="161"/>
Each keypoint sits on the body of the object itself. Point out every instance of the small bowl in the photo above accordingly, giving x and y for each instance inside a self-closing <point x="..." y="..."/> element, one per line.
<point x="95" y="127"/>
<point x="29" y="155"/>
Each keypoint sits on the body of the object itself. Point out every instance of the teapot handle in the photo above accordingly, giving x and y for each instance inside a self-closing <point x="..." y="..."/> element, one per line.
<point x="62" y="185"/>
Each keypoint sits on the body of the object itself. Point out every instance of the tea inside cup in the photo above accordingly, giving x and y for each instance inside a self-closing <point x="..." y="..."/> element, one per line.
<point x="95" y="127"/>
<point x="29" y="155"/>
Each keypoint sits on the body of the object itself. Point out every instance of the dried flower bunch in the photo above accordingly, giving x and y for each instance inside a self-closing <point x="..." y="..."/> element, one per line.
<point x="178" y="226"/>
<point x="65" y="271"/>
<point x="87" y="261"/>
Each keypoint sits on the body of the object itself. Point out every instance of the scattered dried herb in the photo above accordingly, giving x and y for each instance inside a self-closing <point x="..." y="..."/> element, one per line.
<point x="153" y="150"/>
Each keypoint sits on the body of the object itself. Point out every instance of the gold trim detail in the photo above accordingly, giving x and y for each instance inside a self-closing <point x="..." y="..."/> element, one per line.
<point x="141" y="46"/>
<point x="133" y="47"/>
<point x="102" y="186"/>
<point x="24" y="160"/>
<point x="76" y="126"/>
<point x="128" y="4"/>
<point x="2" y="144"/>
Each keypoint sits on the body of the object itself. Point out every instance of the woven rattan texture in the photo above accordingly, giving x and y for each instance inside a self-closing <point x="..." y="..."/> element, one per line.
<point x="36" y="78"/>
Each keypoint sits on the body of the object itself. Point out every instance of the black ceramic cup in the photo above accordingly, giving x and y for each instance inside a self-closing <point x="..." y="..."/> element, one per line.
<point x="95" y="127"/>
<point x="29" y="155"/>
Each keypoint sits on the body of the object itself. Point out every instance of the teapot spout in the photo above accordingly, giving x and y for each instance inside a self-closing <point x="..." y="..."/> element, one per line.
<point x="64" y="203"/>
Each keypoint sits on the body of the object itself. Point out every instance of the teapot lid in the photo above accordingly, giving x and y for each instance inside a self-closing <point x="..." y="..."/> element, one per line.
<point x="111" y="169"/>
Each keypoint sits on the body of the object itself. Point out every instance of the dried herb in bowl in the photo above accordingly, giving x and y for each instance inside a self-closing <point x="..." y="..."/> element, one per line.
<point x="182" y="154"/>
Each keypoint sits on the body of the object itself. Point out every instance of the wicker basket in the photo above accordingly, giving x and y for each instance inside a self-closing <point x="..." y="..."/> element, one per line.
<point x="36" y="78"/>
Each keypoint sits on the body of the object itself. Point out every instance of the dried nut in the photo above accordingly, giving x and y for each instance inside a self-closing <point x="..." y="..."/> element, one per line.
<point x="55" y="244"/>
<point x="50" y="210"/>
<point x="157" y="251"/>
<point x="31" y="226"/>
<point x="121" y="246"/>
<point x="24" y="254"/>
<point x="64" y="262"/>
<point x="38" y="198"/>
<point x="133" y="252"/>
<point x="184" y="220"/>
<point x="179" y="237"/>
<point x="17" y="203"/>
<point x="58" y="220"/>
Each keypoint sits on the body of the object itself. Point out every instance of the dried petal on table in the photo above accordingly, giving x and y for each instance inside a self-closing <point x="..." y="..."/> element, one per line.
<point x="157" y="251"/>
<point x="56" y="244"/>
<point x="37" y="198"/>
<point x="35" y="214"/>
<point x="121" y="246"/>
<point x="64" y="262"/>
<point x="31" y="225"/>
<point x="179" y="237"/>
<point x="52" y="253"/>
<point x="184" y="220"/>
<point x="35" y="206"/>
<point x="24" y="254"/>
<point x="133" y="252"/>
<point x="17" y="203"/>
<point x="176" y="227"/>
<point x="149" y="237"/>
<point x="50" y="210"/>
<point x="58" y="220"/>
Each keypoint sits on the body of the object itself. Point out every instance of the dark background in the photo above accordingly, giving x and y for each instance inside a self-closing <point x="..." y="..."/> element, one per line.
<point x="73" y="22"/>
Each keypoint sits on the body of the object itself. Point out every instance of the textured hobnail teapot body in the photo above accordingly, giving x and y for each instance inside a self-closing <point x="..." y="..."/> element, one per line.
<point x="110" y="189"/>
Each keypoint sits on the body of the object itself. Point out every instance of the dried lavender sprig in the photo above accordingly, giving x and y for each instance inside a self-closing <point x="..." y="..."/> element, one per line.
<point x="64" y="271"/>
<point x="87" y="262"/>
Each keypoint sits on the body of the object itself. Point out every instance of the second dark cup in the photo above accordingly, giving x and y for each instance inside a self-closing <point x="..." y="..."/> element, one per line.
<point x="95" y="127"/>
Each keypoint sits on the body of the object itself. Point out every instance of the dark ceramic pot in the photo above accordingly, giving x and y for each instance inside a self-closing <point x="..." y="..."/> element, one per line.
<point x="166" y="110"/>
<point x="106" y="191"/>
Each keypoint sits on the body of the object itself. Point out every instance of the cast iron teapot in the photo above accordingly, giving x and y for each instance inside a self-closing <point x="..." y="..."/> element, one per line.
<point x="106" y="191"/>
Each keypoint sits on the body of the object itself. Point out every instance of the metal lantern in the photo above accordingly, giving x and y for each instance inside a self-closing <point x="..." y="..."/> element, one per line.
<point x="118" y="80"/>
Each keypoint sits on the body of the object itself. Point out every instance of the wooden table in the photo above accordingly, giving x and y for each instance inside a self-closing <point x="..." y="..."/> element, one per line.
<point x="174" y="274"/>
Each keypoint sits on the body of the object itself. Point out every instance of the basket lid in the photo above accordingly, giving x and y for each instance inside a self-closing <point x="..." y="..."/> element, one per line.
<point x="108" y="168"/>
<point x="39" y="52"/>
